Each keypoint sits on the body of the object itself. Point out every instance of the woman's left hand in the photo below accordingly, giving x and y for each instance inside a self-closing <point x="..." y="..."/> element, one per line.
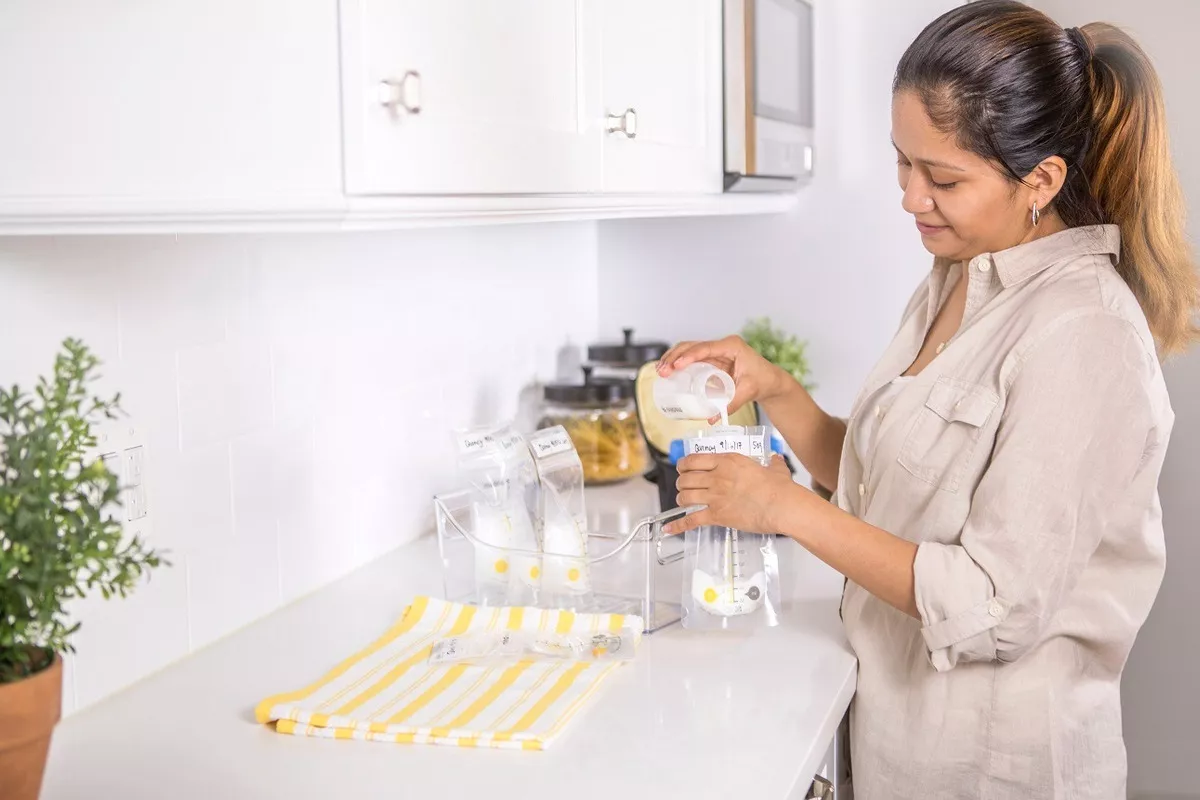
<point x="739" y="492"/>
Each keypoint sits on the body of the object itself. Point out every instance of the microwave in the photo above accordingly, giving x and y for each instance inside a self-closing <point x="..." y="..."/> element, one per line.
<point x="768" y="70"/>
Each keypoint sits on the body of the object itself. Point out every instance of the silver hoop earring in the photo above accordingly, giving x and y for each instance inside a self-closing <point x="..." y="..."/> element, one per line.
<point x="1036" y="216"/>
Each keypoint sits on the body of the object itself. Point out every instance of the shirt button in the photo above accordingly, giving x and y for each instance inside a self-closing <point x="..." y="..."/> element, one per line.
<point x="984" y="266"/>
<point x="995" y="609"/>
<point x="878" y="412"/>
<point x="862" y="490"/>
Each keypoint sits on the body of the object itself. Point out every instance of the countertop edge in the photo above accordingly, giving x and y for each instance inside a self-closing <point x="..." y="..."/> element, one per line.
<point x="812" y="762"/>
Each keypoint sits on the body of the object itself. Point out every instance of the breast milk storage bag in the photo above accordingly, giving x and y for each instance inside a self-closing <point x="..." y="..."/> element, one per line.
<point x="566" y="582"/>
<point x="730" y="577"/>
<point x="497" y="465"/>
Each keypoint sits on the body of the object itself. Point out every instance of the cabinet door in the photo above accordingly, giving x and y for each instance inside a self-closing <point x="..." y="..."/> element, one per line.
<point x="170" y="104"/>
<point x="464" y="97"/>
<point x="661" y="67"/>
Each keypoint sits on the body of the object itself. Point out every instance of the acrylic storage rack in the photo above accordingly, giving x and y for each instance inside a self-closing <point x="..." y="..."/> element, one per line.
<point x="633" y="572"/>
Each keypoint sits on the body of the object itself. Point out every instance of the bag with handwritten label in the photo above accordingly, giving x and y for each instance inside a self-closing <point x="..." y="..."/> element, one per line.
<point x="563" y="518"/>
<point x="730" y="577"/>
<point x="497" y="464"/>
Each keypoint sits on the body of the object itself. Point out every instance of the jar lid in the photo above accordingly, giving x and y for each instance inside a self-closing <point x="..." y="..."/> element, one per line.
<point x="592" y="392"/>
<point x="627" y="353"/>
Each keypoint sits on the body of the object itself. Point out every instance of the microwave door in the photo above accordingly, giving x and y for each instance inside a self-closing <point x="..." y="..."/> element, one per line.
<point x="769" y="126"/>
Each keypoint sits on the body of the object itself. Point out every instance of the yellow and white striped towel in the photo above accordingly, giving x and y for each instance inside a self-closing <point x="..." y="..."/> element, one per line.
<point x="390" y="693"/>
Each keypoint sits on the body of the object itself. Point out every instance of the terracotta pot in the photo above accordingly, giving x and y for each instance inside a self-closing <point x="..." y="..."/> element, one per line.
<point x="29" y="710"/>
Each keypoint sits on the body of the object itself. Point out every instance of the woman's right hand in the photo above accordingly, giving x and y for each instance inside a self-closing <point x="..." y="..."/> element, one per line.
<point x="754" y="376"/>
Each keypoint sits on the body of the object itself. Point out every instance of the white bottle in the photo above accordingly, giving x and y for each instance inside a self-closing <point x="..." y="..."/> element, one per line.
<point x="696" y="392"/>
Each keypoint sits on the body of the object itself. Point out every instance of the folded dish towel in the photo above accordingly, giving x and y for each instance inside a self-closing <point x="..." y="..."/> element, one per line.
<point x="389" y="692"/>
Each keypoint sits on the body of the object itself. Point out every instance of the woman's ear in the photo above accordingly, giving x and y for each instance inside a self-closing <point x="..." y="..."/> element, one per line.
<point x="1046" y="181"/>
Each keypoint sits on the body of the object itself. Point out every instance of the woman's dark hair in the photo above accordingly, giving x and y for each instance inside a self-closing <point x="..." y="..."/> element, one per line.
<point x="1016" y="88"/>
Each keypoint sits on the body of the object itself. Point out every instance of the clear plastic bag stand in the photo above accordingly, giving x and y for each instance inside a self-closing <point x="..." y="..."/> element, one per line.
<point x="632" y="572"/>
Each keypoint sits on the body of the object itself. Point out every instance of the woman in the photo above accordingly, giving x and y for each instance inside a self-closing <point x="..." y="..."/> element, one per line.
<point x="997" y="514"/>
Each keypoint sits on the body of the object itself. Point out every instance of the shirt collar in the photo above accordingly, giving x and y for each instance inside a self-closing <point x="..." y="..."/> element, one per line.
<point x="1017" y="264"/>
<point x="1022" y="262"/>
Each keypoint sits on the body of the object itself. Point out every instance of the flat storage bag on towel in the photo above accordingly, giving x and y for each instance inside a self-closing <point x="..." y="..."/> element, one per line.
<point x="389" y="692"/>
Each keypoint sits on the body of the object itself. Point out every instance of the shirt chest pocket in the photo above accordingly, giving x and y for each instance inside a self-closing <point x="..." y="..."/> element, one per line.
<point x="946" y="432"/>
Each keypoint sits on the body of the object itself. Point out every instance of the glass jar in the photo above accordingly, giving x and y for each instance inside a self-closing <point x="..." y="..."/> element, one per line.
<point x="601" y="418"/>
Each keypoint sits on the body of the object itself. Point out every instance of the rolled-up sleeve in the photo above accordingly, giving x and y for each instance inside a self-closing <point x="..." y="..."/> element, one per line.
<point x="1075" y="426"/>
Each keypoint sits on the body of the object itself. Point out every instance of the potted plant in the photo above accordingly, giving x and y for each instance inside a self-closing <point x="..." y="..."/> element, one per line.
<point x="59" y="540"/>
<point x="781" y="349"/>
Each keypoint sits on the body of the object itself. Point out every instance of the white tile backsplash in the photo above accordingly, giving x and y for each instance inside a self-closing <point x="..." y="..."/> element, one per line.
<point x="301" y="380"/>
<point x="124" y="639"/>
<point x="149" y="387"/>
<point x="295" y="394"/>
<point x="232" y="579"/>
<point x="191" y="497"/>
<point x="36" y="317"/>
<point x="225" y="391"/>
<point x="173" y="293"/>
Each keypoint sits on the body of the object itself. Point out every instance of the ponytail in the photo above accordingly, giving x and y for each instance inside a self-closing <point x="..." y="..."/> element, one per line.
<point x="1130" y="173"/>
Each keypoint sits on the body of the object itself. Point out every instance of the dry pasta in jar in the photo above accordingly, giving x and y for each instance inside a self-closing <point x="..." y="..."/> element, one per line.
<point x="601" y="419"/>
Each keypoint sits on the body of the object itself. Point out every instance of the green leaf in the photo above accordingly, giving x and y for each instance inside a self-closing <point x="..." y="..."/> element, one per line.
<point x="780" y="348"/>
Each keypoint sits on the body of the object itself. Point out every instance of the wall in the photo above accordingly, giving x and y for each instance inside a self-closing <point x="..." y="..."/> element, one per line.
<point x="839" y="269"/>
<point x="1161" y="697"/>
<point x="295" y="395"/>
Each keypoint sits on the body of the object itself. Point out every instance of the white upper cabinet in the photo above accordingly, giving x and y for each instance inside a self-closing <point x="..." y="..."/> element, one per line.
<point x="178" y="115"/>
<point x="660" y="62"/>
<point x="465" y="97"/>
<point x="229" y="104"/>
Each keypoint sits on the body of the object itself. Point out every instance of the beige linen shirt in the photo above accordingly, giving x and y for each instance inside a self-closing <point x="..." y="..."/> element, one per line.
<point x="1024" y="462"/>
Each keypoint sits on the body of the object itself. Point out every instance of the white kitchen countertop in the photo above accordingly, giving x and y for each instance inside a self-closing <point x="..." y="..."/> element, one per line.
<point x="694" y="716"/>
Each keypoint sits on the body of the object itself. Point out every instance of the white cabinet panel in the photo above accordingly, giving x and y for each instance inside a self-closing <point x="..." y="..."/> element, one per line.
<point x="661" y="68"/>
<point x="496" y="91"/>
<point x="223" y="102"/>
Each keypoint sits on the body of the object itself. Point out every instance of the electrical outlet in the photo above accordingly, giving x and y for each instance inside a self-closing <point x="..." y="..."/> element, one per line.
<point x="135" y="460"/>
<point x="129" y="501"/>
<point x="135" y="503"/>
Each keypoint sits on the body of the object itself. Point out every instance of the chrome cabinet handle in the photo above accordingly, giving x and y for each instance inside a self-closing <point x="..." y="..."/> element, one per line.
<point x="401" y="94"/>
<point x="625" y="122"/>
